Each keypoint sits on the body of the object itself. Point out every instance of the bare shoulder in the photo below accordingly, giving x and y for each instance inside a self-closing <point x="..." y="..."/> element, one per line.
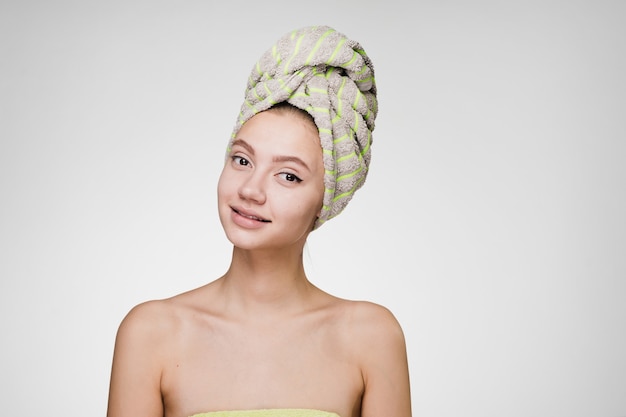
<point x="137" y="361"/>
<point x="155" y="322"/>
<point x="146" y="324"/>
<point x="376" y="336"/>
<point x="370" y="320"/>
<point x="148" y="314"/>
<point x="377" y="341"/>
<point x="369" y="331"/>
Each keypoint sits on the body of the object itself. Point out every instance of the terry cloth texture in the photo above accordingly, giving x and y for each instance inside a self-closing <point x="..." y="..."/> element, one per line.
<point x="278" y="412"/>
<point x="321" y="71"/>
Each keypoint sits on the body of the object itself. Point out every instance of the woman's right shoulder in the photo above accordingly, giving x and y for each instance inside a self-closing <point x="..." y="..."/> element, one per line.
<point x="143" y="346"/>
<point x="147" y="313"/>
<point x="161" y="317"/>
<point x="148" y="320"/>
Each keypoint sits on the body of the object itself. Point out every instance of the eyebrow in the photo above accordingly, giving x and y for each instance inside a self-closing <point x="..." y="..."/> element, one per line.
<point x="243" y="144"/>
<point x="295" y="159"/>
<point x="277" y="158"/>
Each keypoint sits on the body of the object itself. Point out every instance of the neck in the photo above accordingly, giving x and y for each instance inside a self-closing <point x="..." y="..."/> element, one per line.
<point x="261" y="282"/>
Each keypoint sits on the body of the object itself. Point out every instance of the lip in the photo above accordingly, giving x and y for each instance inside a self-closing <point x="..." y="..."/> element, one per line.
<point x="247" y="219"/>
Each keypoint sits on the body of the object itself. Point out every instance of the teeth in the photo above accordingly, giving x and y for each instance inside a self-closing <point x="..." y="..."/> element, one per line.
<point x="252" y="217"/>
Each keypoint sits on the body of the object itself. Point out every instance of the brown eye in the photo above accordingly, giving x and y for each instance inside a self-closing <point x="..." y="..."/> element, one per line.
<point x="240" y="160"/>
<point x="287" y="176"/>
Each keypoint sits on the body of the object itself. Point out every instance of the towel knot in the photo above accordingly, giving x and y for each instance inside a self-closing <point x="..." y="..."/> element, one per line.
<point x="321" y="71"/>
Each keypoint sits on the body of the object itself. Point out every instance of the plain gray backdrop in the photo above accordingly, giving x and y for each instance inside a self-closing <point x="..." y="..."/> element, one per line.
<point x="492" y="222"/>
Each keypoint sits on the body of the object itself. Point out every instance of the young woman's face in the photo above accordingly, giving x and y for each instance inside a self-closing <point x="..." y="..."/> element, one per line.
<point x="272" y="186"/>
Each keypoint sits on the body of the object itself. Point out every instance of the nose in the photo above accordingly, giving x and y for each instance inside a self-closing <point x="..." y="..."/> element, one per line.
<point x="253" y="189"/>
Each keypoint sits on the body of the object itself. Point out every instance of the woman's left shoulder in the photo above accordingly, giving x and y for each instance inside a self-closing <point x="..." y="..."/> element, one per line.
<point x="377" y="343"/>
<point x="370" y="321"/>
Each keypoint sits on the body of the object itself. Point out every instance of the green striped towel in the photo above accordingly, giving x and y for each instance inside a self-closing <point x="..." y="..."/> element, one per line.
<point x="321" y="71"/>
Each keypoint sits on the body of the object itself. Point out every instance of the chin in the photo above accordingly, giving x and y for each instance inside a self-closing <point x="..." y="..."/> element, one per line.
<point x="261" y="240"/>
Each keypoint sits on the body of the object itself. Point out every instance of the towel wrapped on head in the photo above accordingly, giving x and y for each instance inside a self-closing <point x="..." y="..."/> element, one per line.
<point x="321" y="71"/>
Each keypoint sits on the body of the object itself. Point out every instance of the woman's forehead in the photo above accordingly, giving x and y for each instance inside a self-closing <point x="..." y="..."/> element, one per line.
<point x="274" y="131"/>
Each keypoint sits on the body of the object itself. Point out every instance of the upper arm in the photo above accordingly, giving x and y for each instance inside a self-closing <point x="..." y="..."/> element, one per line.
<point x="136" y="372"/>
<point x="384" y="366"/>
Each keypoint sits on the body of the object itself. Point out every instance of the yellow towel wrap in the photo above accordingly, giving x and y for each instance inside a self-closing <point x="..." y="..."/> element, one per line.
<point x="273" y="412"/>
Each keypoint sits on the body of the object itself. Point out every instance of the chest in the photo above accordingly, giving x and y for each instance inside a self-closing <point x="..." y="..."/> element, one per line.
<point x="222" y="368"/>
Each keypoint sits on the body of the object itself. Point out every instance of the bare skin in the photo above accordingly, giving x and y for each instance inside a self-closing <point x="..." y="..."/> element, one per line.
<point x="262" y="336"/>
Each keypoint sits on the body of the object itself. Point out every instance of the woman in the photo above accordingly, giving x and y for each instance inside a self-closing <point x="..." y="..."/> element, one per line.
<point x="262" y="340"/>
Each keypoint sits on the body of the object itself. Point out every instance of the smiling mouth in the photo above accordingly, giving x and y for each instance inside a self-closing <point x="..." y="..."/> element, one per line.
<point x="248" y="216"/>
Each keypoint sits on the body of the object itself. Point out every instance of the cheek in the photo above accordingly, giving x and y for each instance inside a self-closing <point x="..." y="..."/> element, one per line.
<point x="311" y="202"/>
<point x="319" y="196"/>
<point x="223" y="185"/>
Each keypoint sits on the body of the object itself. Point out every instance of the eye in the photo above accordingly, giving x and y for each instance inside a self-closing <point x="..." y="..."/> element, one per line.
<point x="288" y="176"/>
<point x="239" y="160"/>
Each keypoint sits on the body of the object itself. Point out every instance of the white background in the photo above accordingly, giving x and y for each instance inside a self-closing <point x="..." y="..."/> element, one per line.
<point x="492" y="222"/>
